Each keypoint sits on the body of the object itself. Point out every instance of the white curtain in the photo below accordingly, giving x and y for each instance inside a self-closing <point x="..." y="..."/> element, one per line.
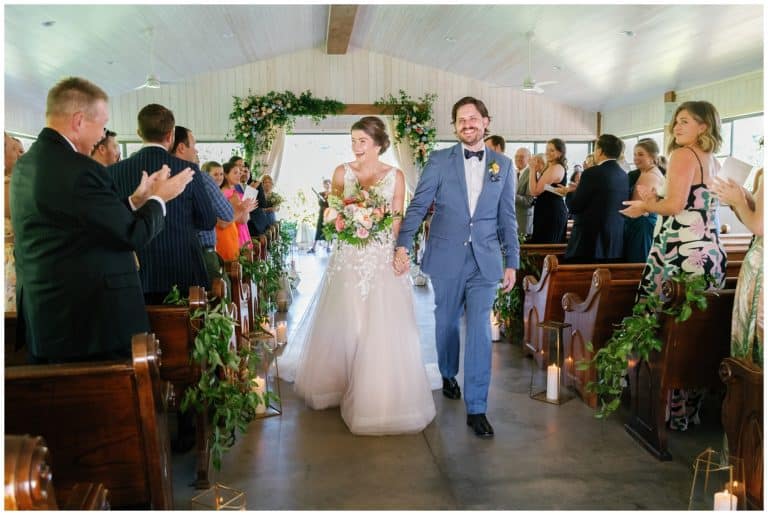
<point x="404" y="158"/>
<point x="274" y="158"/>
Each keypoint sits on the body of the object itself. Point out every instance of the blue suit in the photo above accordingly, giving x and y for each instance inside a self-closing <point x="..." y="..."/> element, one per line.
<point x="175" y="257"/>
<point x="465" y="257"/>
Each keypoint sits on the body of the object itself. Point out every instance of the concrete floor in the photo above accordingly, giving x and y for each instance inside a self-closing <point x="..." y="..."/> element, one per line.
<point x="543" y="456"/>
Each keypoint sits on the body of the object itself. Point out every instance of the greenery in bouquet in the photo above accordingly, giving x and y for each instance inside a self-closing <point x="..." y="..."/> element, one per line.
<point x="414" y="123"/>
<point x="275" y="199"/>
<point x="363" y="217"/>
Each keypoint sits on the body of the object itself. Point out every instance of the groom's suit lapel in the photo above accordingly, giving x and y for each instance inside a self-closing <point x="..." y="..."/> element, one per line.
<point x="457" y="157"/>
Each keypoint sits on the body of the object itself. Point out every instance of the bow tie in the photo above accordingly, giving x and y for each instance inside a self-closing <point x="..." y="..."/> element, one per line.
<point x="468" y="154"/>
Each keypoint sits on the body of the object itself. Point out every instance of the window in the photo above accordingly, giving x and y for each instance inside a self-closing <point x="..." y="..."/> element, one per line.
<point x="745" y="138"/>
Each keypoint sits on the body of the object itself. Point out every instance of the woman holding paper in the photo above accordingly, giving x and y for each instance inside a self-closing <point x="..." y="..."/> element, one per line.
<point x="747" y="321"/>
<point x="550" y="215"/>
<point x="687" y="237"/>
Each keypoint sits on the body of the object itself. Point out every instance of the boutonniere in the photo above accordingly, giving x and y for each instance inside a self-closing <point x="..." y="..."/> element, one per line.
<point x="493" y="171"/>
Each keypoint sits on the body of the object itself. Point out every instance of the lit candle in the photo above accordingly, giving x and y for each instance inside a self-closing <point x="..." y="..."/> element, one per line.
<point x="725" y="501"/>
<point x="282" y="332"/>
<point x="495" y="332"/>
<point x="260" y="387"/>
<point x="553" y="376"/>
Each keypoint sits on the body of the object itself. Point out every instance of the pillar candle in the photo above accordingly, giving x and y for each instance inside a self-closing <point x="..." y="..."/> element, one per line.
<point x="282" y="332"/>
<point x="553" y="375"/>
<point x="725" y="501"/>
<point x="260" y="387"/>
<point x="495" y="332"/>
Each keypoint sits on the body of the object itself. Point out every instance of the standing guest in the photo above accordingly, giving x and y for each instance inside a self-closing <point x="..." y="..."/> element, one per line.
<point x="523" y="198"/>
<point x="550" y="215"/>
<point x="472" y="188"/>
<point x="242" y="180"/>
<point x="322" y="200"/>
<point x="106" y="150"/>
<point x="687" y="237"/>
<point x="662" y="164"/>
<point x="243" y="208"/>
<point x="496" y="143"/>
<point x="747" y="321"/>
<point x="638" y="232"/>
<point x="79" y="296"/>
<point x="598" y="227"/>
<point x="576" y="175"/>
<point x="175" y="257"/>
<point x="13" y="150"/>
<point x="589" y="162"/>
<point x="185" y="147"/>
<point x="227" y="236"/>
<point x="264" y="215"/>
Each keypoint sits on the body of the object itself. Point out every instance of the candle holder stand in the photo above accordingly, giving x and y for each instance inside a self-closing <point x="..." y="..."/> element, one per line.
<point x="220" y="497"/>
<point x="552" y="389"/>
<point x="267" y="381"/>
<point x="718" y="481"/>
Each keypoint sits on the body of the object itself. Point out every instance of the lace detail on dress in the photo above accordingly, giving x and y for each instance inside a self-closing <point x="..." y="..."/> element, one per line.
<point x="369" y="260"/>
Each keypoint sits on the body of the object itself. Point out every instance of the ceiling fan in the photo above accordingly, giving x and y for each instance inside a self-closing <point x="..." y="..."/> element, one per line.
<point x="152" y="82"/>
<point x="529" y="83"/>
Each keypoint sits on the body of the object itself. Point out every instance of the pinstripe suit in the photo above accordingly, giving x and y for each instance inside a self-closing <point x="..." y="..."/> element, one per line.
<point x="175" y="256"/>
<point x="78" y="293"/>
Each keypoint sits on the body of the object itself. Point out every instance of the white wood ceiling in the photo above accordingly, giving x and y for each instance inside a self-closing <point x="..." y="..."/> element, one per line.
<point x="674" y="47"/>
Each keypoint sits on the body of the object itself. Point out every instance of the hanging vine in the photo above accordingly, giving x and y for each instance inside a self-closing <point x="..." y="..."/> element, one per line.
<point x="414" y="123"/>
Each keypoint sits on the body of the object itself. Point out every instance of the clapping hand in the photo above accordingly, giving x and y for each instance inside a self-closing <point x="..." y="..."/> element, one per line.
<point x="729" y="191"/>
<point x="250" y="204"/>
<point x="160" y="184"/>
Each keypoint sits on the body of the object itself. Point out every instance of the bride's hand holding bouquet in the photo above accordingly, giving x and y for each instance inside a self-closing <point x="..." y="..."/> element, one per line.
<point x="359" y="219"/>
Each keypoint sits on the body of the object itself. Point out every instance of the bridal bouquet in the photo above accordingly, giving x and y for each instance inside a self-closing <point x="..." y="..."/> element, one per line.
<point x="274" y="199"/>
<point x="359" y="219"/>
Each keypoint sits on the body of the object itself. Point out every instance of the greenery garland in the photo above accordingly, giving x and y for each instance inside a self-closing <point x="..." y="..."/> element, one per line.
<point x="636" y="335"/>
<point x="508" y="307"/>
<point x="258" y="118"/>
<point x="414" y="122"/>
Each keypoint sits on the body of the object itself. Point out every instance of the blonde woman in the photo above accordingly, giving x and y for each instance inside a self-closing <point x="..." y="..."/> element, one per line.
<point x="687" y="238"/>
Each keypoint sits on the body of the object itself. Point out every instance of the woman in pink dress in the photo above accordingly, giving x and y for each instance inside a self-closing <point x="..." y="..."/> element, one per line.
<point x="231" y="179"/>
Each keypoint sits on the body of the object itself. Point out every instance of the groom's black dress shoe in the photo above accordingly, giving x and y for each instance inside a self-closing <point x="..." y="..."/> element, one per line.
<point x="451" y="388"/>
<point x="480" y="425"/>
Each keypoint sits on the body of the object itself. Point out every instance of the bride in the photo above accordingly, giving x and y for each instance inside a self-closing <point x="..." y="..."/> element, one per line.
<point x="358" y="345"/>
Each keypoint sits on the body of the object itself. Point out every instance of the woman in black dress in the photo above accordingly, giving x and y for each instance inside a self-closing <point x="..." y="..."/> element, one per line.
<point x="322" y="201"/>
<point x="550" y="215"/>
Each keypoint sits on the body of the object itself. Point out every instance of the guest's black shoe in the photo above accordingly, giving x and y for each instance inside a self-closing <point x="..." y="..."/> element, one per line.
<point x="451" y="388"/>
<point x="480" y="425"/>
<point x="311" y="251"/>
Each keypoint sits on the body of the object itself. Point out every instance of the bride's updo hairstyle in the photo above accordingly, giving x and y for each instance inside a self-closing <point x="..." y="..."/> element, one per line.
<point x="374" y="128"/>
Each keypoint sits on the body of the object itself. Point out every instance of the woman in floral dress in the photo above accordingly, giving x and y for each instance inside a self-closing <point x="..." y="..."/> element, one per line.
<point x="686" y="238"/>
<point x="747" y="322"/>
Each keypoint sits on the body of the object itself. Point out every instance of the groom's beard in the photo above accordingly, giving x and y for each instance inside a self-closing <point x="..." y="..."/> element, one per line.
<point x="471" y="138"/>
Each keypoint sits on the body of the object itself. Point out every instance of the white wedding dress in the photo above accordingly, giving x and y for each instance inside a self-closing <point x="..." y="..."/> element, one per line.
<point x="358" y="343"/>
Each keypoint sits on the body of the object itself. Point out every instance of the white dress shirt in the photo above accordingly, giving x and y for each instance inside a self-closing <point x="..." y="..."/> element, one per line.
<point x="474" y="170"/>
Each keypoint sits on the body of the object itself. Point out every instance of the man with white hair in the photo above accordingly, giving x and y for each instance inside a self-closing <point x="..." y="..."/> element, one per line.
<point x="523" y="198"/>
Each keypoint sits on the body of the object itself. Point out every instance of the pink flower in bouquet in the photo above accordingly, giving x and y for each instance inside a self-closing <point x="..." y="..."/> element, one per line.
<point x="340" y="224"/>
<point x="362" y="232"/>
<point x="365" y="194"/>
<point x="330" y="215"/>
<point x="377" y="214"/>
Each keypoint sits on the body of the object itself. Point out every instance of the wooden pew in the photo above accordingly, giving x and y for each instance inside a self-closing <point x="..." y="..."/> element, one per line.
<point x="742" y="417"/>
<point x="689" y="358"/>
<point x="592" y="320"/>
<point x="103" y="422"/>
<point x="543" y="296"/>
<point x="29" y="482"/>
<point x="538" y="251"/>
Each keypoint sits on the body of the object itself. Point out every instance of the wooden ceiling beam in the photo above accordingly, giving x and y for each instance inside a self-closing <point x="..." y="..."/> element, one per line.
<point x="341" y="21"/>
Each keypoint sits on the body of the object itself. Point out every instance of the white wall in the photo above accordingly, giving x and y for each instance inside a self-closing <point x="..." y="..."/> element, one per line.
<point x="736" y="96"/>
<point x="360" y="77"/>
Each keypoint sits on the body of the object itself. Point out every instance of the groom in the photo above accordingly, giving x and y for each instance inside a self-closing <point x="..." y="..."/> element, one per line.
<point x="472" y="246"/>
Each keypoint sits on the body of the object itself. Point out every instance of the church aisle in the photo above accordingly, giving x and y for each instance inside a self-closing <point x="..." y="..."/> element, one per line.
<point x="542" y="457"/>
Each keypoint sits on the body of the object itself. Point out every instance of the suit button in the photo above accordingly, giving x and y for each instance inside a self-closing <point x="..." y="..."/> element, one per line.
<point x="465" y="243"/>
<point x="470" y="224"/>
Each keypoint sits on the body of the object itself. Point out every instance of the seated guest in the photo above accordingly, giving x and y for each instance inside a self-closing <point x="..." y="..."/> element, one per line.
<point x="243" y="208"/>
<point x="174" y="258"/>
<point x="638" y="232"/>
<point x="79" y="295"/>
<point x="184" y="147"/>
<point x="550" y="215"/>
<point x="106" y="150"/>
<point x="747" y="320"/>
<point x="264" y="215"/>
<point x="598" y="227"/>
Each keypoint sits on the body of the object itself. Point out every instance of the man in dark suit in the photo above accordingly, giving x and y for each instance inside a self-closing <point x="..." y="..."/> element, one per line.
<point x="78" y="293"/>
<point x="598" y="227"/>
<point x="175" y="257"/>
